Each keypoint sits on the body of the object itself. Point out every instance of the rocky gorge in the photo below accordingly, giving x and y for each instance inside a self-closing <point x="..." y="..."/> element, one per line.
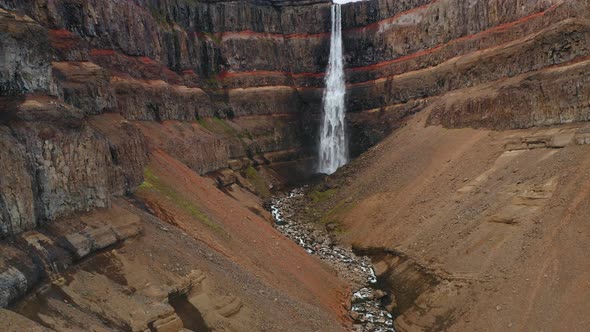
<point x="367" y="308"/>
<point x="139" y="140"/>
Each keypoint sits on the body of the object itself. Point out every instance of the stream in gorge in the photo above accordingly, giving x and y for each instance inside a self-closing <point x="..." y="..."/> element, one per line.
<point x="368" y="309"/>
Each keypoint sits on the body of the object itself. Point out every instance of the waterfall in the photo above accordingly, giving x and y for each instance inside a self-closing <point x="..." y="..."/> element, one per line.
<point x="333" y="151"/>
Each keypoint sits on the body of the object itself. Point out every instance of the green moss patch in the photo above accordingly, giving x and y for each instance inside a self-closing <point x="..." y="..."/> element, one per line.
<point x="257" y="181"/>
<point x="217" y="125"/>
<point x="318" y="196"/>
<point x="331" y="217"/>
<point x="154" y="183"/>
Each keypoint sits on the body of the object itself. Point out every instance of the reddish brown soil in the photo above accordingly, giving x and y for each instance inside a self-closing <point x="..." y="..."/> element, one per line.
<point x="214" y="249"/>
<point x="242" y="235"/>
<point x="497" y="219"/>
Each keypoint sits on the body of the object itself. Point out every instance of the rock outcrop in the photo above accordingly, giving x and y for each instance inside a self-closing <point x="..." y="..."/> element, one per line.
<point x="90" y="87"/>
<point x="422" y="50"/>
<point x="111" y="111"/>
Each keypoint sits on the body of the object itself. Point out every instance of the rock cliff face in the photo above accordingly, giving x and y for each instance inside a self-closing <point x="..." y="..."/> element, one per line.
<point x="402" y="61"/>
<point x="257" y="66"/>
<point x="189" y="77"/>
<point x="111" y="112"/>
<point x="91" y="90"/>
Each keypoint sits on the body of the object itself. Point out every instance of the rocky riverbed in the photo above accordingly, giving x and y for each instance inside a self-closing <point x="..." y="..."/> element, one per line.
<point x="367" y="310"/>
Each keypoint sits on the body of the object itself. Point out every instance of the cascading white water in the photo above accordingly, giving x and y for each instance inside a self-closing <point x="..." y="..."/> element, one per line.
<point x="333" y="151"/>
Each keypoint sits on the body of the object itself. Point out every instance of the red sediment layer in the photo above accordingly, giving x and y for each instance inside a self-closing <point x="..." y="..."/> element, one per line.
<point x="499" y="28"/>
<point x="62" y="39"/>
<point x="368" y="82"/>
<point x="546" y="68"/>
<point x="309" y="75"/>
<point x="144" y="65"/>
<point x="250" y="33"/>
<point x="60" y="33"/>
<point x="148" y="61"/>
<point x="101" y="52"/>
<point x="227" y="74"/>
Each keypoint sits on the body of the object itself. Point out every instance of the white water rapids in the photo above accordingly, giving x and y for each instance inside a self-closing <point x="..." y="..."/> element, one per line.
<point x="333" y="151"/>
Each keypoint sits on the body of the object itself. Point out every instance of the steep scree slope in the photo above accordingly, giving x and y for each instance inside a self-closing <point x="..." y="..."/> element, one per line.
<point x="472" y="229"/>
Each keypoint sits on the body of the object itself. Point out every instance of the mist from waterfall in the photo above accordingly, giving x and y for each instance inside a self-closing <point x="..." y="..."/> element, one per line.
<point x="333" y="151"/>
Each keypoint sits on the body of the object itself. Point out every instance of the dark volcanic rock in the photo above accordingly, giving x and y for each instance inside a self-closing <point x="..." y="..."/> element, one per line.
<point x="16" y="193"/>
<point x="25" y="55"/>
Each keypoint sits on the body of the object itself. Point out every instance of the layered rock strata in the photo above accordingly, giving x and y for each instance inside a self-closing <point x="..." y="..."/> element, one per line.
<point x="87" y="93"/>
<point x="89" y="90"/>
<point x="258" y="67"/>
<point x="111" y="111"/>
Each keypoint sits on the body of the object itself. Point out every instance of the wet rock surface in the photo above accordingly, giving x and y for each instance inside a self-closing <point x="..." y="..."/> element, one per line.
<point x="367" y="307"/>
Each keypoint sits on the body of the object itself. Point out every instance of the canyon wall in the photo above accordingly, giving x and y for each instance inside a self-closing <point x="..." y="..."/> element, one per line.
<point x="136" y="140"/>
<point x="489" y="64"/>
<point x="91" y="90"/>
<point x="187" y="77"/>
<point x="240" y="83"/>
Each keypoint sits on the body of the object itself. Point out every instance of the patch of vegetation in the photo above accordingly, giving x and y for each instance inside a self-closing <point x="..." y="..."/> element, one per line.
<point x="203" y="122"/>
<point x="226" y="127"/>
<point x="147" y="175"/>
<point x="153" y="182"/>
<point x="216" y="124"/>
<point x="251" y="172"/>
<point x="257" y="181"/>
<point x="160" y="16"/>
<point x="331" y="218"/>
<point x="318" y="196"/>
<point x="214" y="38"/>
<point x="245" y="134"/>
